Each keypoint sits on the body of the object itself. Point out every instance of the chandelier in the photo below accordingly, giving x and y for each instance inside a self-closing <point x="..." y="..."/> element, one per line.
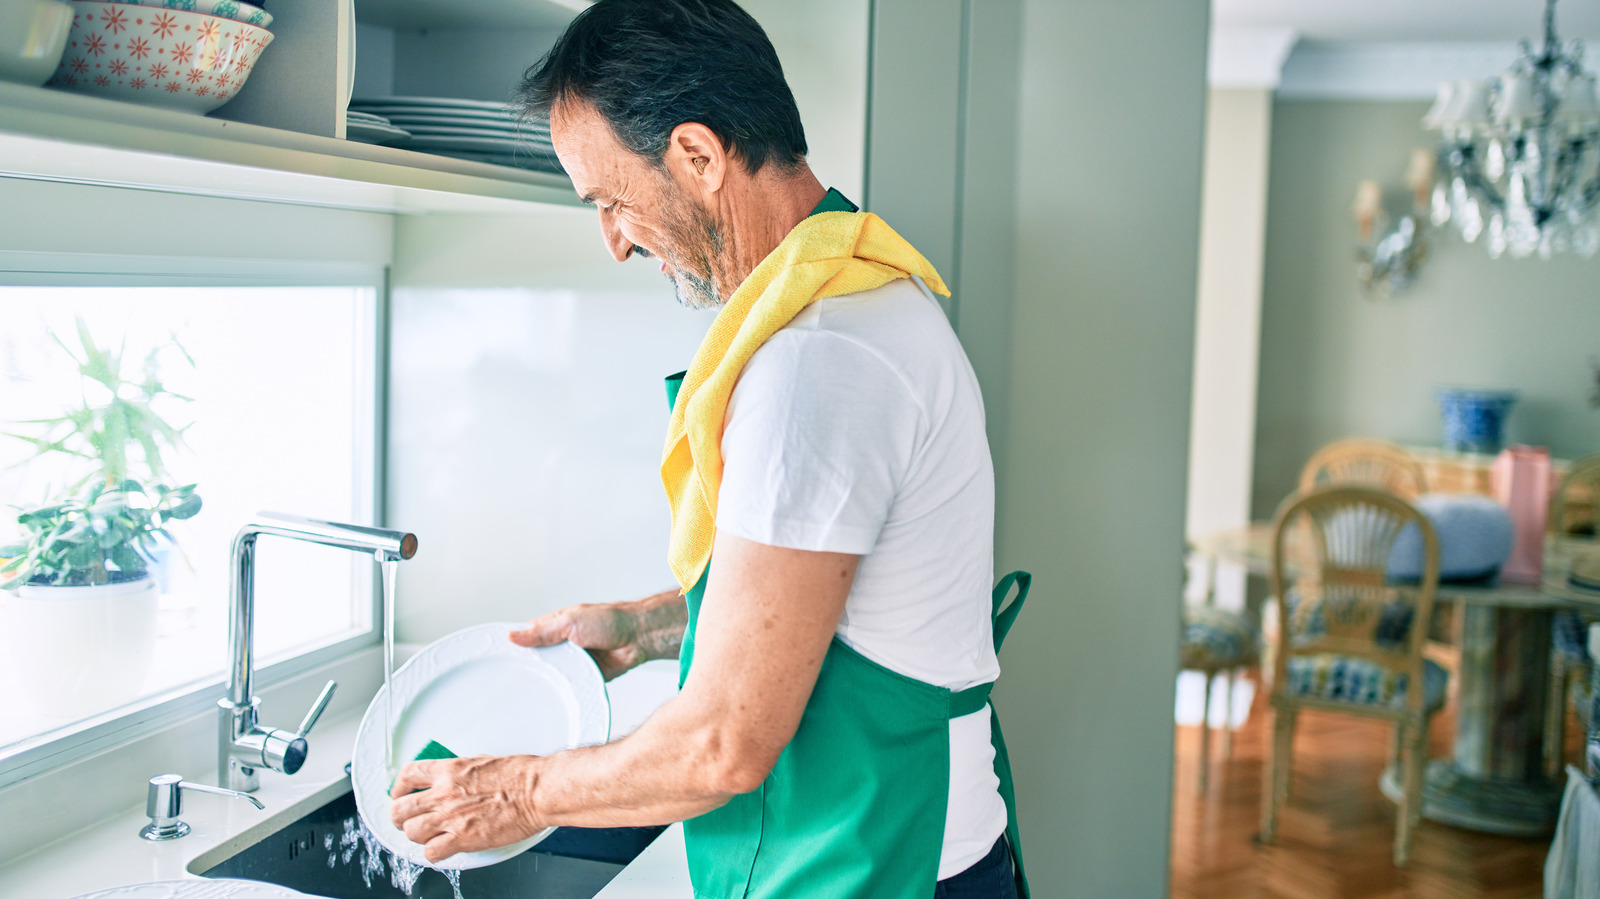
<point x="1519" y="158"/>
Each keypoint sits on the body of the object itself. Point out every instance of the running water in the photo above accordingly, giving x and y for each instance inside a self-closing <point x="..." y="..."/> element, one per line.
<point x="358" y="844"/>
<point x="391" y="568"/>
<point x="357" y="839"/>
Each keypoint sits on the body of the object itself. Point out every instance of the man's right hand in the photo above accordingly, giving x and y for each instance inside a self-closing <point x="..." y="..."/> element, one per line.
<point x="619" y="635"/>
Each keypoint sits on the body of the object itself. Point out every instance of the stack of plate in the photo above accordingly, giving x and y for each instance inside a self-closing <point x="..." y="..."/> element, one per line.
<point x="466" y="129"/>
<point x="371" y="129"/>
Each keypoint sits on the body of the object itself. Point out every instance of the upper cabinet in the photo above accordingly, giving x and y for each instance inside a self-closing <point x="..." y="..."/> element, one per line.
<point x="287" y="133"/>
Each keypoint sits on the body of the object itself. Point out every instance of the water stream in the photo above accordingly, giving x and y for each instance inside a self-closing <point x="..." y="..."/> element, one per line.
<point x="391" y="570"/>
<point x="360" y="845"/>
<point x="357" y="839"/>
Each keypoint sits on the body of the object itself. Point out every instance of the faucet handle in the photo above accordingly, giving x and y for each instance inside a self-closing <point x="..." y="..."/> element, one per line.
<point x="164" y="802"/>
<point x="317" y="708"/>
<point x="286" y="752"/>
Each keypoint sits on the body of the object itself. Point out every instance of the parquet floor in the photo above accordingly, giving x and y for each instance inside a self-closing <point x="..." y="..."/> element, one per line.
<point x="1336" y="832"/>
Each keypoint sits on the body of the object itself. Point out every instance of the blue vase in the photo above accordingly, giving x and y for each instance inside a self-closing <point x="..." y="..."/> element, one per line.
<point x="1474" y="420"/>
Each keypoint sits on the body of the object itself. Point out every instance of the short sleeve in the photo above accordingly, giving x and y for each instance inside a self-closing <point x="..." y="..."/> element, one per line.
<point x="819" y="436"/>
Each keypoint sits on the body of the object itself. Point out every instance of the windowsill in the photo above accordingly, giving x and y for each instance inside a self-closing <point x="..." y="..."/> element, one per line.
<point x="188" y="659"/>
<point x="81" y="793"/>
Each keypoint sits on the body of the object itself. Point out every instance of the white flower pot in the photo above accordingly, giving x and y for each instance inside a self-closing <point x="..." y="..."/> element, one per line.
<point x="78" y="651"/>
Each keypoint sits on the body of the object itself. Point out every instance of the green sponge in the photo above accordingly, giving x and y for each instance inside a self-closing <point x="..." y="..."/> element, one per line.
<point x="434" y="750"/>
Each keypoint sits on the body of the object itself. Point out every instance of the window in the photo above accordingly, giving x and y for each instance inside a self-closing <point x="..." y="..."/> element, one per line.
<point x="271" y="394"/>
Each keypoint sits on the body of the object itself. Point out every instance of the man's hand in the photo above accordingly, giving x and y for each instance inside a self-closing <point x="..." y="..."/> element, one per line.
<point x="466" y="805"/>
<point x="618" y="635"/>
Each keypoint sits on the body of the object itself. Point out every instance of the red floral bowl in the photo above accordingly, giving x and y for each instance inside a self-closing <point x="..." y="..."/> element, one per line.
<point x="158" y="57"/>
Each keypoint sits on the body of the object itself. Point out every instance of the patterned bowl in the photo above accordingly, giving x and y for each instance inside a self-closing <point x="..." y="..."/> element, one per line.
<point x="158" y="57"/>
<point x="227" y="9"/>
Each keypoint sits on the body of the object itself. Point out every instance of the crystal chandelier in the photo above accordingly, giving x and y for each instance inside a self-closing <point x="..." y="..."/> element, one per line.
<point x="1519" y="158"/>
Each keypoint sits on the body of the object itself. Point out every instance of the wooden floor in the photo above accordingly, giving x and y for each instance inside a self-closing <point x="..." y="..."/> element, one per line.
<point x="1336" y="833"/>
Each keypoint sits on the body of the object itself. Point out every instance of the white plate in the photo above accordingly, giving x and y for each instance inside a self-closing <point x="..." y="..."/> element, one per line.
<point x="369" y="103"/>
<point x="373" y="133"/>
<point x="468" y="121"/>
<point x="494" y="133"/>
<point x="493" y="115"/>
<point x="477" y="693"/>
<point x="198" y="889"/>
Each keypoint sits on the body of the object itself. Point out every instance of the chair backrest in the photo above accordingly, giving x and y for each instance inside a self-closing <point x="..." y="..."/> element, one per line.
<point x="1368" y="463"/>
<point x="1330" y="557"/>
<point x="1575" y="509"/>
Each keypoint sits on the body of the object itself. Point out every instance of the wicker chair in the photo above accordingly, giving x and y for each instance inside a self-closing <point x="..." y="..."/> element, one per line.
<point x="1574" y="511"/>
<point x="1349" y="641"/>
<point x="1216" y="640"/>
<point x="1371" y="463"/>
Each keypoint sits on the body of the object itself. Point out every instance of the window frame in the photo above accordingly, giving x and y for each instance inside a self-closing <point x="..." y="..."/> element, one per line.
<point x="157" y="712"/>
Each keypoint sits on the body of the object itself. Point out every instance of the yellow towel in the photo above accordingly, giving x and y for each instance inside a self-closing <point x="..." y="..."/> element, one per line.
<point x="829" y="254"/>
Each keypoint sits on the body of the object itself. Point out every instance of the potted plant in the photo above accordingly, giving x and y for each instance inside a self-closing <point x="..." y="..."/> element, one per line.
<point x="80" y="617"/>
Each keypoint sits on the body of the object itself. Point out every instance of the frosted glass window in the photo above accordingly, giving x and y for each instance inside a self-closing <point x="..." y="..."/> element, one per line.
<point x="273" y="389"/>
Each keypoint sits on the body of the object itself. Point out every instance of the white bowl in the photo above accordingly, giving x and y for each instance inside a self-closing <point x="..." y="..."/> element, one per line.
<point x="158" y="57"/>
<point x="33" y="34"/>
<point x="227" y="9"/>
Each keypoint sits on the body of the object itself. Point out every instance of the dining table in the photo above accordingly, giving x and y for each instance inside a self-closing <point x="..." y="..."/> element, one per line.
<point x="1494" y="780"/>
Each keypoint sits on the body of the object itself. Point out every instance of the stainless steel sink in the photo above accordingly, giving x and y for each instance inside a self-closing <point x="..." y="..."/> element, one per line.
<point x="310" y="855"/>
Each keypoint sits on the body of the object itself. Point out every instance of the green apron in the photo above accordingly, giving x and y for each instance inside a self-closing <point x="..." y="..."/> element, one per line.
<point x="855" y="806"/>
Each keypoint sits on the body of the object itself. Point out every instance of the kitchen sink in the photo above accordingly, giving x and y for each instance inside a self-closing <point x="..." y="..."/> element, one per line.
<point x="321" y="853"/>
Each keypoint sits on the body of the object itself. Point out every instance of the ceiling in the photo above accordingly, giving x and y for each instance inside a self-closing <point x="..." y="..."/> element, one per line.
<point x="1409" y="20"/>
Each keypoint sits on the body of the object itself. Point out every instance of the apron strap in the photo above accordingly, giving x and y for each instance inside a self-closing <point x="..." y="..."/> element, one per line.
<point x="1005" y="615"/>
<point x="970" y="700"/>
<point x="1004" y="618"/>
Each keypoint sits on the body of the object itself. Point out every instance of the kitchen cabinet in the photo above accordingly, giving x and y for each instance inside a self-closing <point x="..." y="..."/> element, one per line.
<point x="282" y="138"/>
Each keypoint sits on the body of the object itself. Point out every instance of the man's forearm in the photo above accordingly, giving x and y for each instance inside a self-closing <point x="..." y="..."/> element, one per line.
<point x="659" y="621"/>
<point x="666" y="771"/>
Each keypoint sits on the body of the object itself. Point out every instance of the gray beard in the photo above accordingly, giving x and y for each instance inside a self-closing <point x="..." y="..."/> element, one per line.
<point x="695" y="291"/>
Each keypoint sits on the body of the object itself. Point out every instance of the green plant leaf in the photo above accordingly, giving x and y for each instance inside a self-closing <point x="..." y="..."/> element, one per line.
<point x="188" y="508"/>
<point x="13" y="550"/>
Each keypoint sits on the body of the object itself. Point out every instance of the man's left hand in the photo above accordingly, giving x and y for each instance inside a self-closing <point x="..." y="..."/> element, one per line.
<point x="465" y="805"/>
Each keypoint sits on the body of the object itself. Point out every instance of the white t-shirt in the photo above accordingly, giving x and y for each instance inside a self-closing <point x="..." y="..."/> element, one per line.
<point x="858" y="428"/>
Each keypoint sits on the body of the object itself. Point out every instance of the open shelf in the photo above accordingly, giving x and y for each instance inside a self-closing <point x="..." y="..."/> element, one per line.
<point x="282" y="137"/>
<point x="56" y="135"/>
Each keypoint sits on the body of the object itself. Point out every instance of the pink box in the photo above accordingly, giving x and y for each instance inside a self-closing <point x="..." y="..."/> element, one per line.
<point x="1521" y="483"/>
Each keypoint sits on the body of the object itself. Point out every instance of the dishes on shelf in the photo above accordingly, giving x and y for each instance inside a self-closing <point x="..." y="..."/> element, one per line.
<point x="475" y="130"/>
<point x="33" y="34"/>
<point x="227" y="9"/>
<point x="174" y="58"/>
<point x="371" y="129"/>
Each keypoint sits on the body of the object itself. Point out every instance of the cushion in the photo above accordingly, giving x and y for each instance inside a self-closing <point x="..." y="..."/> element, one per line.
<point x="1475" y="538"/>
<point x="1571" y="644"/>
<point x="1339" y="678"/>
<point x="1391" y="632"/>
<point x="1216" y="638"/>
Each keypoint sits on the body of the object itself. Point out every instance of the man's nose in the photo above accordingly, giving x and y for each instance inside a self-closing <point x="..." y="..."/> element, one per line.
<point x="621" y="248"/>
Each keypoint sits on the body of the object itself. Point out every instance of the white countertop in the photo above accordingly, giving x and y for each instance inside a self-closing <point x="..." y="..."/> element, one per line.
<point x="111" y="853"/>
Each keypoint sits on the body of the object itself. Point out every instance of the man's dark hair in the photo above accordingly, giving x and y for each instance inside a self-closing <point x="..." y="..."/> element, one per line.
<point x="648" y="66"/>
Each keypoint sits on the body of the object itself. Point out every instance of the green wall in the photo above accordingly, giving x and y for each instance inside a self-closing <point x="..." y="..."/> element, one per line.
<point x="1046" y="156"/>
<point x="1107" y="230"/>
<point x="1336" y="364"/>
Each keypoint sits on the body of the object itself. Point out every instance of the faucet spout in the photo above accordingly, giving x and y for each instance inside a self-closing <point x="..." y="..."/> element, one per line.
<point x="244" y="746"/>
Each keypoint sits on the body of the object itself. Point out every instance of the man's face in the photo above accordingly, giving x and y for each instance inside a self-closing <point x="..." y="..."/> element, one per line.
<point x="643" y="210"/>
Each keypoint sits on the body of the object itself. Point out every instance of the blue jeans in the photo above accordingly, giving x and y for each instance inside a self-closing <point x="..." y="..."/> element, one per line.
<point x="990" y="878"/>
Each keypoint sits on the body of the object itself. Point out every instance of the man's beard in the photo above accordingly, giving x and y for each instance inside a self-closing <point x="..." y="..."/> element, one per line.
<point x="702" y="244"/>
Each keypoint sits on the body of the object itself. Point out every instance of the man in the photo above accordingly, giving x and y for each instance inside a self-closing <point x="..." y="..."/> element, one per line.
<point x="833" y="505"/>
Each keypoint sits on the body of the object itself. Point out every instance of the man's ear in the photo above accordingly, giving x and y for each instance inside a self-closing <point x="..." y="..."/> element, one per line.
<point x="696" y="158"/>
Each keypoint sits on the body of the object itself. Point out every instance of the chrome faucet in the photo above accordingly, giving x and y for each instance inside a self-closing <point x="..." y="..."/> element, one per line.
<point x="244" y="746"/>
